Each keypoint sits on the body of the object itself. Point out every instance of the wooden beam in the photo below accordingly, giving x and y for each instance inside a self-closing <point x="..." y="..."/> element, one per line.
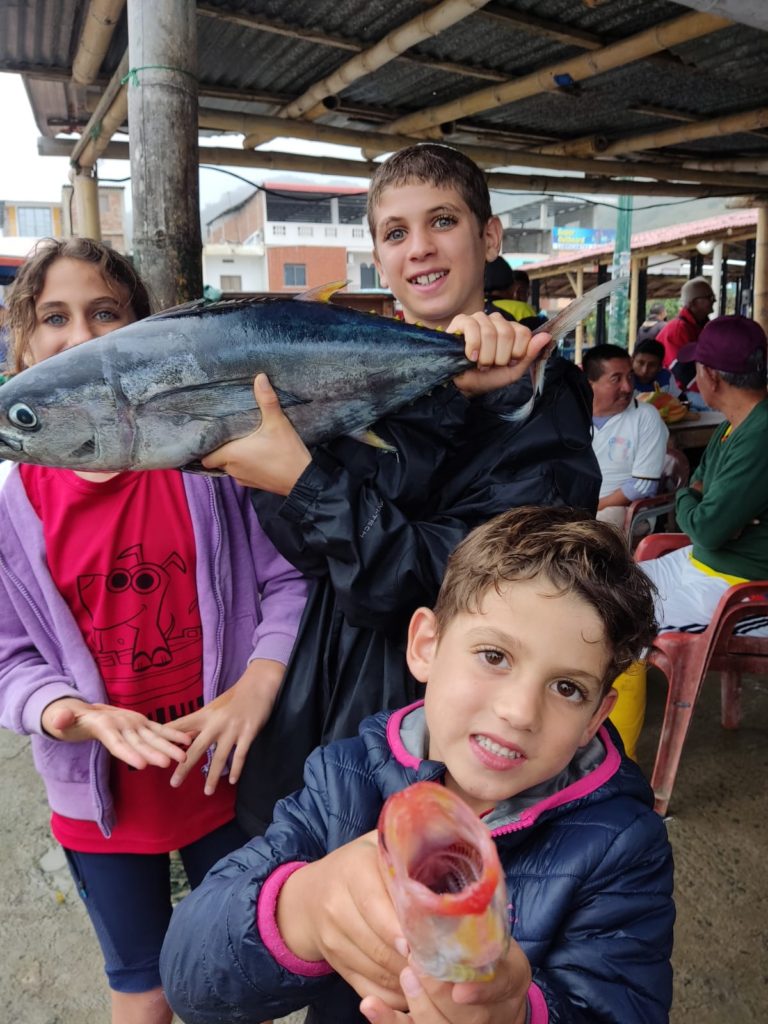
<point x="225" y="157"/>
<point x="426" y="25"/>
<point x="539" y="27"/>
<point x="258" y="128"/>
<point x="660" y="37"/>
<point x="259" y="24"/>
<point x="733" y="124"/>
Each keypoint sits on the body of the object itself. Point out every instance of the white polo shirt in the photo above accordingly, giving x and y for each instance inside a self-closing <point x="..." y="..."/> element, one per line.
<point x="630" y="444"/>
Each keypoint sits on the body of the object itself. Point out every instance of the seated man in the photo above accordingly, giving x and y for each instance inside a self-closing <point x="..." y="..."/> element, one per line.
<point x="647" y="370"/>
<point x="629" y="438"/>
<point x="724" y="510"/>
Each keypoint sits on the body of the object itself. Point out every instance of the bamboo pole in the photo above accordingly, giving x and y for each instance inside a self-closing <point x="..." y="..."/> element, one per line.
<point x="110" y="114"/>
<point x="259" y="24"/>
<point x="86" y="186"/>
<point x="579" y="339"/>
<point x="257" y="129"/>
<point x="760" y="300"/>
<point x="424" y="26"/>
<point x="742" y="122"/>
<point x="660" y="37"/>
<point x="222" y="156"/>
<point x="101" y="20"/>
<point x="635" y="265"/>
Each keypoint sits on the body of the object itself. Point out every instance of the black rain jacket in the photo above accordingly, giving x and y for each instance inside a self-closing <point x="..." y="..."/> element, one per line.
<point x="373" y="529"/>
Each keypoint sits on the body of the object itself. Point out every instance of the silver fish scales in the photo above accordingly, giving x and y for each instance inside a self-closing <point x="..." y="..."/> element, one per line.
<point x="167" y="390"/>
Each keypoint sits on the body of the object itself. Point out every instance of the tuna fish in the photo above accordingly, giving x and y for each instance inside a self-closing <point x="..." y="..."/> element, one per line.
<point x="443" y="874"/>
<point x="169" y="389"/>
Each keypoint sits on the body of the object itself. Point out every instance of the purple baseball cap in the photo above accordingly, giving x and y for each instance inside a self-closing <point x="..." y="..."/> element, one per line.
<point x="733" y="344"/>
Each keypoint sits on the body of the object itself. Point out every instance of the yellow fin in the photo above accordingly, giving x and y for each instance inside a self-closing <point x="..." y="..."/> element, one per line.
<point x="368" y="437"/>
<point x="322" y="293"/>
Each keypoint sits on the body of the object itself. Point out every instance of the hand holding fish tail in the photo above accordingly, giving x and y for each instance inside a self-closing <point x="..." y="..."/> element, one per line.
<point x="273" y="457"/>
<point x="230" y="723"/>
<point x="501" y="1000"/>
<point x="337" y="909"/>
<point x="503" y="350"/>
<point x="127" y="735"/>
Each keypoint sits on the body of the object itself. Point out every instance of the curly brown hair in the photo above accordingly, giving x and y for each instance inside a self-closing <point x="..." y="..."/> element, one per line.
<point x="576" y="554"/>
<point x="30" y="282"/>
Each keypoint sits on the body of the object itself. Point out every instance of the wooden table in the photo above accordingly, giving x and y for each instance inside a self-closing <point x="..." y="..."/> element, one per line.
<point x="695" y="433"/>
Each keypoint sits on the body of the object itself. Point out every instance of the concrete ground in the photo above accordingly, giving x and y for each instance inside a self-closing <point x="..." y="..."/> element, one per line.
<point x="50" y="969"/>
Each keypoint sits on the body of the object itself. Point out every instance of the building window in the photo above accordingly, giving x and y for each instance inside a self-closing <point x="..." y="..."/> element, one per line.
<point x="295" y="275"/>
<point x="331" y="232"/>
<point x="103" y="203"/>
<point x="368" y="276"/>
<point x="35" y="220"/>
<point x="306" y="231"/>
<point x="231" y="282"/>
<point x="358" y="232"/>
<point x="278" y="229"/>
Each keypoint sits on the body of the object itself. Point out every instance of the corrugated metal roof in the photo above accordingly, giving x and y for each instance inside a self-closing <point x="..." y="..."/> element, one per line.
<point x="255" y="56"/>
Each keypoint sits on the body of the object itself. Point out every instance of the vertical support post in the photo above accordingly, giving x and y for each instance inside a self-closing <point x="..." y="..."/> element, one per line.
<point x="745" y="296"/>
<point x="578" y="348"/>
<point x="723" y="296"/>
<point x="617" y="322"/>
<point x="760" y="286"/>
<point x="717" y="276"/>
<point x="634" y="299"/>
<point x="600" y="327"/>
<point x="86" y="186"/>
<point x="163" y="119"/>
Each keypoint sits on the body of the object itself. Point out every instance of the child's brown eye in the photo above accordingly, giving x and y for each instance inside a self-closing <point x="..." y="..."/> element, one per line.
<point x="493" y="657"/>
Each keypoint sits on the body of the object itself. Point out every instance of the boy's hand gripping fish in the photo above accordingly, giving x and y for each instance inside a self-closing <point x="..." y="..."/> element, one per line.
<point x="166" y="391"/>
<point x="445" y="880"/>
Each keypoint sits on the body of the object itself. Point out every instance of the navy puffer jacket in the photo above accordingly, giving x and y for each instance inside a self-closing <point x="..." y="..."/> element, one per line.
<point x="589" y="875"/>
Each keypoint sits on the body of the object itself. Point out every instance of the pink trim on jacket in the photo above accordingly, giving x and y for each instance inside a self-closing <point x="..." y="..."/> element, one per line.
<point x="400" y="754"/>
<point x="266" y="923"/>
<point x="538" y="1005"/>
<point x="591" y="782"/>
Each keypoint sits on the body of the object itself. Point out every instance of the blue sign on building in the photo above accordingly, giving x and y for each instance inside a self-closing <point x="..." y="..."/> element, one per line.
<point x="582" y="238"/>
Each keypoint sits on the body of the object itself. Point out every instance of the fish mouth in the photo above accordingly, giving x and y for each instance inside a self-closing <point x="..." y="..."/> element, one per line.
<point x="10" y="442"/>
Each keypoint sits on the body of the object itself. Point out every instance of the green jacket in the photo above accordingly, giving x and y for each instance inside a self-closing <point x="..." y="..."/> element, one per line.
<point x="728" y="520"/>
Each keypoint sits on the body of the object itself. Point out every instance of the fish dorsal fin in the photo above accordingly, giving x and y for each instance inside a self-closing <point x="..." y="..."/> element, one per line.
<point x="323" y="292"/>
<point x="204" y="306"/>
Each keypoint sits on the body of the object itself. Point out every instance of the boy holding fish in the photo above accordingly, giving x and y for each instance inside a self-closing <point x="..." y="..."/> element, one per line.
<point x="373" y="526"/>
<point x="540" y="609"/>
<point x="146" y="625"/>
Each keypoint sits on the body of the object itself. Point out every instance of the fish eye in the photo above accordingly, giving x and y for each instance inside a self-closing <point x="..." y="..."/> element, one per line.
<point x="22" y="416"/>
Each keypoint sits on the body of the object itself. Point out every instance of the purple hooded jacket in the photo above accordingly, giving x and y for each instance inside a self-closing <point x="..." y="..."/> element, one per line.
<point x="251" y="600"/>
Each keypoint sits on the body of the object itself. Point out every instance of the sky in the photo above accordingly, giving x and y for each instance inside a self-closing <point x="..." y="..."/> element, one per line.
<point x="28" y="176"/>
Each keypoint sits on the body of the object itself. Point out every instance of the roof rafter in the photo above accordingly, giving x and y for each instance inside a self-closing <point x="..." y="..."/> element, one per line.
<point x="643" y="44"/>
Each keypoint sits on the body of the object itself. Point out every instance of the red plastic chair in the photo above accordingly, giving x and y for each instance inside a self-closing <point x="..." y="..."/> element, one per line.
<point x="674" y="475"/>
<point x="685" y="659"/>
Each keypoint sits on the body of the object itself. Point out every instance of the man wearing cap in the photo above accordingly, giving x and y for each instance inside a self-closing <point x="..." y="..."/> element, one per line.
<point x="724" y="510"/>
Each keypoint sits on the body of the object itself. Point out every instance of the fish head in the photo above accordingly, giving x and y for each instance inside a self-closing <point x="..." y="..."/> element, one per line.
<point x="51" y="416"/>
